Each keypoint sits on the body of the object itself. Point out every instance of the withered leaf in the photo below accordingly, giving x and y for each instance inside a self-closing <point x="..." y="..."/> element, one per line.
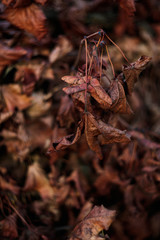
<point x="68" y="140"/>
<point x="63" y="47"/>
<point x="110" y="134"/>
<point x="99" y="218"/>
<point x="13" y="97"/>
<point x="10" y="55"/>
<point x="107" y="134"/>
<point x="99" y="94"/>
<point x="132" y="71"/>
<point x="120" y="104"/>
<point x="30" y="18"/>
<point x="74" y="80"/>
<point x="91" y="133"/>
<point x="94" y="87"/>
<point x="36" y="180"/>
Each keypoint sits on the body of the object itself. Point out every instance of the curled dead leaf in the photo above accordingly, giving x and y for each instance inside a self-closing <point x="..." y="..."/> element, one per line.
<point x="99" y="218"/>
<point x="97" y="132"/>
<point x="68" y="140"/>
<point x="132" y="71"/>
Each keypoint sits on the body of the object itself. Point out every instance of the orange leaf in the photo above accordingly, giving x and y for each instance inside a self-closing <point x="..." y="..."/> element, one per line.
<point x="30" y="18"/>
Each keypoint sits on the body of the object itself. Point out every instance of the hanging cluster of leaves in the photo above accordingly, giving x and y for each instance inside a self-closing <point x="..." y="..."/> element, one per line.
<point x="98" y="97"/>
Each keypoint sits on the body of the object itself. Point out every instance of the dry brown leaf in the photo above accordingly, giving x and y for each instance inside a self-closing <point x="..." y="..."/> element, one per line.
<point x="132" y="71"/>
<point x="99" y="94"/>
<point x="120" y="104"/>
<point x="30" y="18"/>
<point x="98" y="219"/>
<point x="74" y="80"/>
<point x="63" y="47"/>
<point x="91" y="133"/>
<point x="41" y="104"/>
<point x="10" y="55"/>
<point x="107" y="134"/>
<point x="68" y="140"/>
<point x="13" y="97"/>
<point x="36" y="180"/>
<point x="94" y="87"/>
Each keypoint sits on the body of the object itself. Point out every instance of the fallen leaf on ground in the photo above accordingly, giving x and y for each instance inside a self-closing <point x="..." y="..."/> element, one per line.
<point x="63" y="47"/>
<point x="36" y="180"/>
<point x="13" y="97"/>
<point x="10" y="55"/>
<point x="97" y="220"/>
<point x="30" y="18"/>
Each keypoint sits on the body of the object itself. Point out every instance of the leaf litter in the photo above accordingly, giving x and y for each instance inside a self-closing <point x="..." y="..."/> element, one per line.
<point x="79" y="139"/>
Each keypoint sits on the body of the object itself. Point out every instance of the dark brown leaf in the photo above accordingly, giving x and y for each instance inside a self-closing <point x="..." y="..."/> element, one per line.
<point x="68" y="140"/>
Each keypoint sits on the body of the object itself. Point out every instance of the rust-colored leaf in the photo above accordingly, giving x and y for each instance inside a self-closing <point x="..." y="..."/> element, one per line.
<point x="99" y="94"/>
<point x="107" y="134"/>
<point x="99" y="218"/>
<point x="68" y="140"/>
<point x="91" y="133"/>
<point x="120" y="104"/>
<point x="30" y="18"/>
<point x="10" y="55"/>
<point x="132" y="71"/>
